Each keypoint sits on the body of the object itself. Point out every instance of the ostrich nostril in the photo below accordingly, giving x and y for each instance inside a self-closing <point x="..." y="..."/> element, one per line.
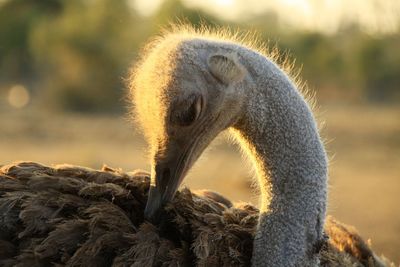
<point x="166" y="175"/>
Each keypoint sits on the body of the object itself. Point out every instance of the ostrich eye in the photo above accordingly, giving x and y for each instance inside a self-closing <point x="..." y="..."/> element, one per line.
<point x="185" y="115"/>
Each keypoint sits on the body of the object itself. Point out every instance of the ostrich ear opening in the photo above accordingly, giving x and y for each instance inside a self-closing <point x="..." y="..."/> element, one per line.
<point x="226" y="69"/>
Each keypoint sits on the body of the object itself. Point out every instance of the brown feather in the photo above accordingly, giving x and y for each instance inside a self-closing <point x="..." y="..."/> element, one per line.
<point x="75" y="216"/>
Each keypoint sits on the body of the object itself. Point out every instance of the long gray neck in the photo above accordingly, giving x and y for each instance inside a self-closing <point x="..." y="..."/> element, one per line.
<point x="279" y="134"/>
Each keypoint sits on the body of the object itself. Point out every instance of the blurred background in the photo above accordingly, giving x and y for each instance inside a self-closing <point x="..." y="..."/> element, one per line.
<point x="62" y="93"/>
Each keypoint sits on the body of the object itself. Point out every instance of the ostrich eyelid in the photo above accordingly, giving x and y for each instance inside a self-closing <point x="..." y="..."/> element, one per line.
<point x="189" y="115"/>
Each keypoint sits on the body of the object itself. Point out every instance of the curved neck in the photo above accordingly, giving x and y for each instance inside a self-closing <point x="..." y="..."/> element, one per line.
<point x="280" y="136"/>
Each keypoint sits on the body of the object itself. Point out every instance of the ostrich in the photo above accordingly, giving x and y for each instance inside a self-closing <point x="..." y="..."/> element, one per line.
<point x="189" y="87"/>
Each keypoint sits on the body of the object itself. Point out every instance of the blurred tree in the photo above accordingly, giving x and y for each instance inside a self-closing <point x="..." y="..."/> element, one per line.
<point x="321" y="60"/>
<point x="175" y="11"/>
<point x="83" y="54"/>
<point x="379" y="66"/>
<point x="17" y="19"/>
<point x="76" y="53"/>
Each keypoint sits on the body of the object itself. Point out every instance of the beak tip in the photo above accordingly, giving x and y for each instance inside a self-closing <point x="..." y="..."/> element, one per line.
<point x="153" y="207"/>
<point x="153" y="216"/>
<point x="147" y="213"/>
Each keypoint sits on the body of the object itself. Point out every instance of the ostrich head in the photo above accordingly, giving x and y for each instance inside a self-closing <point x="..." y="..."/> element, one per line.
<point x="185" y="92"/>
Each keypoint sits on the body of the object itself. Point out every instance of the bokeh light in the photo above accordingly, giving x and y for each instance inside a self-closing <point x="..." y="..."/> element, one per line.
<point x="18" y="96"/>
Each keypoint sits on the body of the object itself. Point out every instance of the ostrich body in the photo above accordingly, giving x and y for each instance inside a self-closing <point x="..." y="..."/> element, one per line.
<point x="191" y="88"/>
<point x="73" y="216"/>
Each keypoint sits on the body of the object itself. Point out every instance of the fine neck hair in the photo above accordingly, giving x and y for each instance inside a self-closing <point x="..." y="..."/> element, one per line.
<point x="279" y="134"/>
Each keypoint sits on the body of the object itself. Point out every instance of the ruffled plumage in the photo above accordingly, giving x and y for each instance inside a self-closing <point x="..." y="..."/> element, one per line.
<point x="74" y="216"/>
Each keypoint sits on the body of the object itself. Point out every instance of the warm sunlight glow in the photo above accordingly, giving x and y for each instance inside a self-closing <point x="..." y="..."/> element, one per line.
<point x="18" y="96"/>
<point x="298" y="3"/>
<point x="326" y="16"/>
<point x="224" y="2"/>
<point x="145" y="7"/>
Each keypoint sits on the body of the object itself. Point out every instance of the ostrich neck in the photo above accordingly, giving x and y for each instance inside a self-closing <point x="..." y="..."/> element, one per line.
<point x="279" y="134"/>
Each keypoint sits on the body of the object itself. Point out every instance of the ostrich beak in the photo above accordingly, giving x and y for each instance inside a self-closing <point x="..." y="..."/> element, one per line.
<point x="169" y="173"/>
